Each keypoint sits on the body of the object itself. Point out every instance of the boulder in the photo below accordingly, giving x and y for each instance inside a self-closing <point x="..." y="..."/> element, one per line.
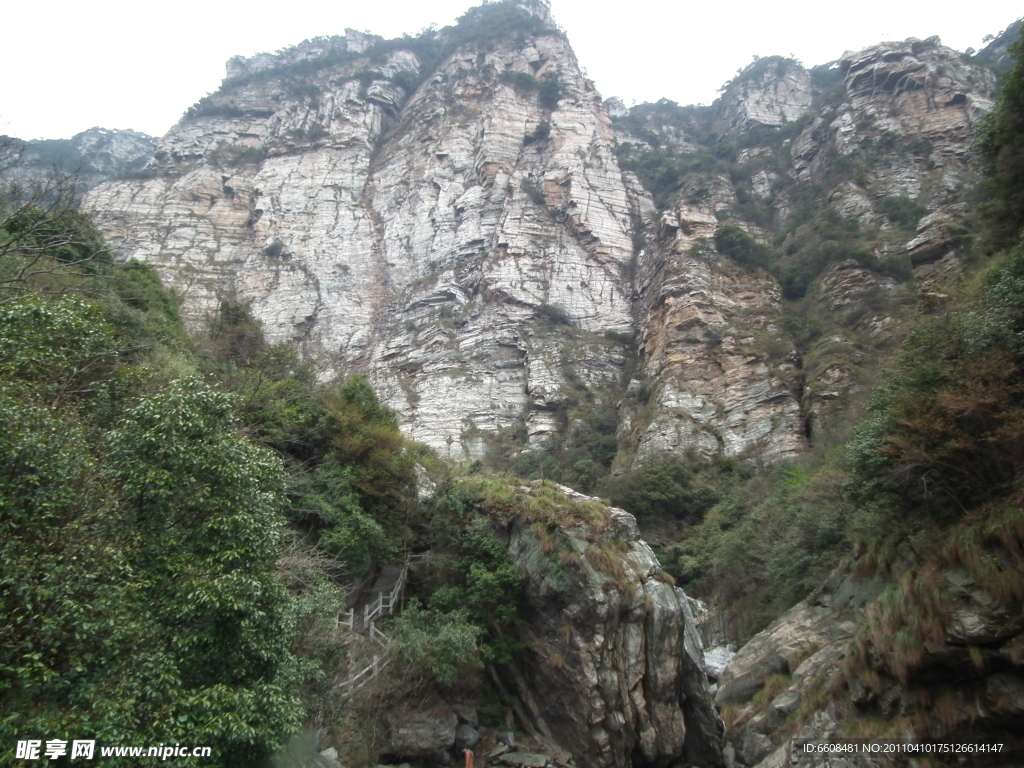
<point x="716" y="660"/>
<point x="613" y="669"/>
<point x="421" y="731"/>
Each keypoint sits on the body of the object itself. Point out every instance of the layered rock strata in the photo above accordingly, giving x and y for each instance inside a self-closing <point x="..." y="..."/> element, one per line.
<point x="460" y="233"/>
<point x="721" y="373"/>
<point x="448" y="215"/>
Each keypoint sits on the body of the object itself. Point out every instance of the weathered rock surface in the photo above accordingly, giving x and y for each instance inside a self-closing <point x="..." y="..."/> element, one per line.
<point x="461" y="230"/>
<point x="421" y="731"/>
<point x="717" y="659"/>
<point x="710" y="331"/>
<point x="615" y="667"/>
<point x="407" y="232"/>
<point x="770" y="92"/>
<point x="963" y="694"/>
<point x="89" y="158"/>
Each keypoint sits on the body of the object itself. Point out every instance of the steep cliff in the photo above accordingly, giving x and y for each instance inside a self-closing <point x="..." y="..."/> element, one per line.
<point x="456" y="227"/>
<point x="456" y="216"/>
<point x="846" y="185"/>
<point x="612" y="668"/>
<point x="90" y="157"/>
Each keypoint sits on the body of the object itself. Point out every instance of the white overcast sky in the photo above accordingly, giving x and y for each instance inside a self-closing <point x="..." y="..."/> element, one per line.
<point x="69" y="65"/>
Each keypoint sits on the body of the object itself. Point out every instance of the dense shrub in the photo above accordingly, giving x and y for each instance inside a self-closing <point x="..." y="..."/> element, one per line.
<point x="139" y="593"/>
<point x="735" y="243"/>
<point x="900" y="210"/>
<point x="1001" y="147"/>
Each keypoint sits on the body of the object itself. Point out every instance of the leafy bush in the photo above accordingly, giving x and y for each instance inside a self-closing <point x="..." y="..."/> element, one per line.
<point x="900" y="210"/>
<point x="445" y="645"/>
<point x="477" y="577"/>
<point x="549" y="313"/>
<point x="523" y="82"/>
<point x="735" y="243"/>
<point x="1000" y="145"/>
<point x="550" y="91"/>
<point x="663" y="488"/>
<point x="486" y="24"/>
<point x="946" y="428"/>
<point x="139" y="565"/>
<point x="534" y="192"/>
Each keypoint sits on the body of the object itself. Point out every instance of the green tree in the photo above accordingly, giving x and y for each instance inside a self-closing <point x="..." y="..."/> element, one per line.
<point x="1001" y="148"/>
<point x="139" y="597"/>
<point x="364" y="436"/>
<point x="205" y="504"/>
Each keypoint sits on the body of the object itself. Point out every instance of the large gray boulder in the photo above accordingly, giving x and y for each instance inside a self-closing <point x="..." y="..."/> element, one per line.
<point x="614" y="667"/>
<point x="421" y="731"/>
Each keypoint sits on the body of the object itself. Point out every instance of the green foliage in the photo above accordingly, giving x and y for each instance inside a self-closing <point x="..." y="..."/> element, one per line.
<point x="995" y="55"/>
<point x="227" y="155"/>
<point x="667" y="487"/>
<point x="901" y="210"/>
<point x="204" y="503"/>
<point x="523" y="82"/>
<point x="825" y="76"/>
<point x="363" y="435"/>
<point x="661" y="167"/>
<point x="550" y="91"/>
<point x="63" y="235"/>
<point x="140" y="595"/>
<point x="138" y="588"/>
<point x="946" y="427"/>
<point x="820" y="237"/>
<point x="480" y="577"/>
<point x="1000" y="145"/>
<point x="57" y="347"/>
<point x="735" y="243"/>
<point x="485" y="25"/>
<point x="551" y="314"/>
<point x="444" y="644"/>
<point x="768" y="540"/>
<point x="316" y="600"/>
<point x="326" y="501"/>
<point x="351" y="472"/>
<point x="209" y="106"/>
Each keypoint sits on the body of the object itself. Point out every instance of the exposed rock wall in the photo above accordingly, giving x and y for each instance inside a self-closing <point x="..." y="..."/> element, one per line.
<point x="614" y="668"/>
<point x="86" y="159"/>
<point x="771" y="92"/>
<point x="461" y="230"/>
<point x="408" y="235"/>
<point x="861" y="185"/>
<point x="950" y="692"/>
<point x="721" y="372"/>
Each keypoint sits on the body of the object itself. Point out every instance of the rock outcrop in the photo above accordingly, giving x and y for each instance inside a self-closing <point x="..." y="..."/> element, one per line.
<point x="613" y="669"/>
<point x="825" y="675"/>
<point x="770" y="92"/>
<point x="459" y="231"/>
<point x="721" y="372"/>
<point x="449" y="216"/>
<point x="87" y="159"/>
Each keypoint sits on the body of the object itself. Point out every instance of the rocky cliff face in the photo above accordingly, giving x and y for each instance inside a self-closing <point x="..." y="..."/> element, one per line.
<point x="90" y="157"/>
<point x="450" y="215"/>
<point x="614" y="668"/>
<point x="848" y="180"/>
<point x="819" y="682"/>
<point x="460" y="232"/>
<point x="709" y="332"/>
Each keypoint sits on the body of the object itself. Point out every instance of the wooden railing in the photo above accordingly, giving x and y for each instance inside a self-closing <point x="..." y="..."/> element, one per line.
<point x="383" y="605"/>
